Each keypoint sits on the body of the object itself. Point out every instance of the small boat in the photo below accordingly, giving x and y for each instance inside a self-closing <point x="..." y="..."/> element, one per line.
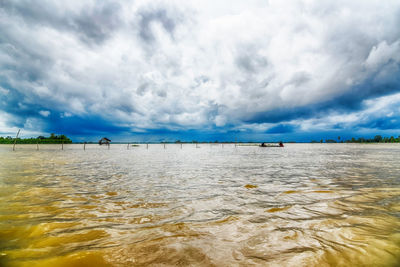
<point x="271" y="145"/>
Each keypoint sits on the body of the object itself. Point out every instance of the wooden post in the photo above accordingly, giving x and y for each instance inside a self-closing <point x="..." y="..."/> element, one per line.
<point x="62" y="145"/>
<point x="15" y="141"/>
<point x="108" y="146"/>
<point x="84" y="145"/>
<point x="164" y="145"/>
<point x="181" y="145"/>
<point x="147" y="146"/>
<point x="127" y="146"/>
<point x="37" y="145"/>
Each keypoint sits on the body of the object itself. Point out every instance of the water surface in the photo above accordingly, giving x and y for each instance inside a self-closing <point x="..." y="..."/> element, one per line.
<point x="302" y="205"/>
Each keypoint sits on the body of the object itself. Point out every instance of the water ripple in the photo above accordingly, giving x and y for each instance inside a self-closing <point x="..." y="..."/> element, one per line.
<point x="304" y="205"/>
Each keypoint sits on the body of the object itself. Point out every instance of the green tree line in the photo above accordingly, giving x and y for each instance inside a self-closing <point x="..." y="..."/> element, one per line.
<point x="52" y="139"/>
<point x="376" y="139"/>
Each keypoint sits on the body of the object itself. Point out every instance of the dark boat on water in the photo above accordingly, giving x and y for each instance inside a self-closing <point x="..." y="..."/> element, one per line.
<point x="271" y="145"/>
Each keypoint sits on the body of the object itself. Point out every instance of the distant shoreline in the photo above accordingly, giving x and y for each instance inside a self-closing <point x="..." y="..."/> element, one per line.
<point x="62" y="139"/>
<point x="199" y="143"/>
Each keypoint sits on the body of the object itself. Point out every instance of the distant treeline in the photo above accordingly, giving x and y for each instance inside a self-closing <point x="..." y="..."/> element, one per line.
<point x="58" y="139"/>
<point x="52" y="139"/>
<point x="376" y="139"/>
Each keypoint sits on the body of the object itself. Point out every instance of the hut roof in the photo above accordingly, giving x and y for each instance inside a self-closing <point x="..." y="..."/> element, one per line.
<point x="104" y="140"/>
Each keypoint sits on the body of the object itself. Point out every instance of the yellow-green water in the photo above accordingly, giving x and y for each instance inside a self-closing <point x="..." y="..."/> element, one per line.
<point x="302" y="205"/>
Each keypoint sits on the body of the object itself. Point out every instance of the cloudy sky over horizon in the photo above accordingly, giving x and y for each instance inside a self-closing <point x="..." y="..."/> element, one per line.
<point x="158" y="70"/>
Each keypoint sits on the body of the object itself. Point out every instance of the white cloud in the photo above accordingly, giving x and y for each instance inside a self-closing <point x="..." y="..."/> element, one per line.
<point x="382" y="54"/>
<point x="29" y="130"/>
<point x="4" y="122"/>
<point x="44" y="113"/>
<point x="65" y="115"/>
<point x="373" y="109"/>
<point x="4" y="91"/>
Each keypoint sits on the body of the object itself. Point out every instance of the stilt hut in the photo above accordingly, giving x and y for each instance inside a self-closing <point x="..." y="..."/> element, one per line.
<point x="104" y="141"/>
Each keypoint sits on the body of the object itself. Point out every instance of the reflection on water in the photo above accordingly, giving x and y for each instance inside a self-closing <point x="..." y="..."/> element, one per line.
<point x="302" y="205"/>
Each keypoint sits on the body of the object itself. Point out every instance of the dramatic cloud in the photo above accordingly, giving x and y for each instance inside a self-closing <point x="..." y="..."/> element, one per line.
<point x="213" y="67"/>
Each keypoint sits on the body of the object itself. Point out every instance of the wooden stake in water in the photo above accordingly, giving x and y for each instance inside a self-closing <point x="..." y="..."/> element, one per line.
<point x="15" y="141"/>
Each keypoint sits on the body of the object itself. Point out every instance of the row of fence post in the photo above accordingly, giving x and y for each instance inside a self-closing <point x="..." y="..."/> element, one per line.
<point x="108" y="145"/>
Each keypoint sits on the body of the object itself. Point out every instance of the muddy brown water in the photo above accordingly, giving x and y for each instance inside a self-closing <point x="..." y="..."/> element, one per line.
<point x="301" y="205"/>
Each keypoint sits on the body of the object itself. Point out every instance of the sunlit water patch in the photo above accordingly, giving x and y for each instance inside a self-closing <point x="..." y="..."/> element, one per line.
<point x="302" y="205"/>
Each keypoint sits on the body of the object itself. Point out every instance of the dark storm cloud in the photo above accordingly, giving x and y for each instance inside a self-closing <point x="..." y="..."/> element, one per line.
<point x="350" y="101"/>
<point x="99" y="22"/>
<point x="162" y="16"/>
<point x="141" y="90"/>
<point x="84" y="126"/>
<point x="26" y="64"/>
<point x="382" y="123"/>
<point x="281" y="128"/>
<point x="93" y="23"/>
<point x="281" y="115"/>
<point x="300" y="78"/>
<point x="250" y="61"/>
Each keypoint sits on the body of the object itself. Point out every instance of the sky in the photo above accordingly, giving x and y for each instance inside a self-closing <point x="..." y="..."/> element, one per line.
<point x="255" y="70"/>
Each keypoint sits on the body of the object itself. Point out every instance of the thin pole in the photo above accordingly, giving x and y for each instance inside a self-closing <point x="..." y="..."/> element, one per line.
<point x="108" y="146"/>
<point x="62" y="145"/>
<point x="147" y="146"/>
<point x="181" y="145"/>
<point x="127" y="146"/>
<point x="15" y="141"/>
<point x="164" y="145"/>
<point x="37" y="145"/>
<point x="84" y="146"/>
